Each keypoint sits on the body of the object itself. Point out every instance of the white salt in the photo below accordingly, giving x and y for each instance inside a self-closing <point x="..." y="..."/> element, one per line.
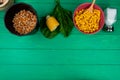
<point x="110" y="16"/>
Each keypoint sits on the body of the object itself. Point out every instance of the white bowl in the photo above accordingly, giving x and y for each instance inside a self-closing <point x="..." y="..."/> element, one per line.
<point x="4" y="3"/>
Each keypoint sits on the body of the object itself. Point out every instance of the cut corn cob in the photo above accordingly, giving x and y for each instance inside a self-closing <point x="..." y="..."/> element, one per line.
<point x="51" y="23"/>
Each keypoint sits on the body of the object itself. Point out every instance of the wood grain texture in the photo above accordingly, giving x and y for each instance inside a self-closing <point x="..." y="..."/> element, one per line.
<point x="78" y="57"/>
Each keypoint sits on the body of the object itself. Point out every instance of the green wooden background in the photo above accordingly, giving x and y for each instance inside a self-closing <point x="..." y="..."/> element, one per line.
<point x="78" y="57"/>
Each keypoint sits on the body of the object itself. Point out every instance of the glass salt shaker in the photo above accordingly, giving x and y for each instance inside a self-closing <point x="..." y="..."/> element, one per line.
<point x="110" y="19"/>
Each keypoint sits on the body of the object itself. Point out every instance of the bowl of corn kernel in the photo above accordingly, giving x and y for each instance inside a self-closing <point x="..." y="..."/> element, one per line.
<point x="88" y="22"/>
<point x="21" y="19"/>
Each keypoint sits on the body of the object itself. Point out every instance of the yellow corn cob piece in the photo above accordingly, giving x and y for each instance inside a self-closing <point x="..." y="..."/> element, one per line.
<point x="51" y="23"/>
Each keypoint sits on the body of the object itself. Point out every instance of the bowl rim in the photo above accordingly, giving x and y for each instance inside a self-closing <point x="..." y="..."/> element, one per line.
<point x="34" y="12"/>
<point x="102" y="16"/>
<point x="6" y="1"/>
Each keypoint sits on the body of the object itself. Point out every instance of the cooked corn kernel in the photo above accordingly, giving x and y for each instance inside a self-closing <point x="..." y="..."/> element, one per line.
<point x="86" y="21"/>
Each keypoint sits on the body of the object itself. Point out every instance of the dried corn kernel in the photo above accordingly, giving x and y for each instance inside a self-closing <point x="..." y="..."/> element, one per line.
<point x="24" y="22"/>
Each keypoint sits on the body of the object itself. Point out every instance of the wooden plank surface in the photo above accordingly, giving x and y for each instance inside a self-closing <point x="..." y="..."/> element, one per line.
<point x="78" y="57"/>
